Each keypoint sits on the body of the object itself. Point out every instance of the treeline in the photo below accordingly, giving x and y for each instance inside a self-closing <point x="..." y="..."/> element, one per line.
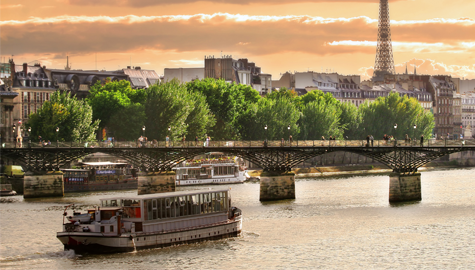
<point x="229" y="111"/>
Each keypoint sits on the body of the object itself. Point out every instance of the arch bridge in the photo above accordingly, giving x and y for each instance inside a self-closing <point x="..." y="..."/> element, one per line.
<point x="272" y="156"/>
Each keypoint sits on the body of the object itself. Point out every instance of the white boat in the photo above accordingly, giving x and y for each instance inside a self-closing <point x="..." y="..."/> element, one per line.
<point x="125" y="224"/>
<point x="212" y="168"/>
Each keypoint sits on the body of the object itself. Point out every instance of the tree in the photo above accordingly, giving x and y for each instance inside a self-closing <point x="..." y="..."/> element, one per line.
<point x="350" y="121"/>
<point x="320" y="119"/>
<point x="115" y="103"/>
<point x="226" y="101"/>
<point x="277" y="114"/>
<point x="380" y="117"/>
<point x="172" y="105"/>
<point x="73" y="118"/>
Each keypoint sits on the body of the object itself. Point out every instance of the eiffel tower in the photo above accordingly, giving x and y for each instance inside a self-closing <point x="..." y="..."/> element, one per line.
<point x="384" y="63"/>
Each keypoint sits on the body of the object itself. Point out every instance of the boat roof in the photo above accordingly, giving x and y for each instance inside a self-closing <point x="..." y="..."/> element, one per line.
<point x="167" y="194"/>
<point x="75" y="170"/>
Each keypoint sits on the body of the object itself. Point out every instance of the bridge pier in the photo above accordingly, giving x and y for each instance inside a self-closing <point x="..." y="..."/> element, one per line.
<point x="404" y="188"/>
<point x="43" y="184"/>
<point x="277" y="186"/>
<point x="152" y="183"/>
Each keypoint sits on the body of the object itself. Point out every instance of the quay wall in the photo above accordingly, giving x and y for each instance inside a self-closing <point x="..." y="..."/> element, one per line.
<point x="156" y="183"/>
<point x="16" y="182"/>
<point x="111" y="185"/>
<point x="49" y="184"/>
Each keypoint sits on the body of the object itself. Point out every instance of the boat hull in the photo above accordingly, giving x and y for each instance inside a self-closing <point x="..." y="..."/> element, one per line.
<point x="84" y="242"/>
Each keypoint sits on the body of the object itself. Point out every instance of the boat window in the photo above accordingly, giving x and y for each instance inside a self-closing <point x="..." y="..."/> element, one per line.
<point x="111" y="229"/>
<point x="154" y="209"/>
<point x="148" y="210"/>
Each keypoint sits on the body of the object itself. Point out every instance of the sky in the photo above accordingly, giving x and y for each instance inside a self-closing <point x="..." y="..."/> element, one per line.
<point x="436" y="36"/>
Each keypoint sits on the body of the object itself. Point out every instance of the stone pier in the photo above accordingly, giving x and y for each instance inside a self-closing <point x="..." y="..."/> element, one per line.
<point x="275" y="186"/>
<point x="404" y="188"/>
<point x="43" y="184"/>
<point x="156" y="183"/>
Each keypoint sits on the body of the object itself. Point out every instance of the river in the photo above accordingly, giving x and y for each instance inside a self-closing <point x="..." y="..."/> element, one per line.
<point x="334" y="223"/>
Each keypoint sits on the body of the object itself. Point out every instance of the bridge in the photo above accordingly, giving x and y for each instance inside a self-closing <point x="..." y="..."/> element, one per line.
<point x="272" y="156"/>
<point x="276" y="158"/>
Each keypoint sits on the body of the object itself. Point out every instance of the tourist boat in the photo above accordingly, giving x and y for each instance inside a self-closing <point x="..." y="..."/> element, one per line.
<point x="212" y="168"/>
<point x="97" y="176"/>
<point x="126" y="224"/>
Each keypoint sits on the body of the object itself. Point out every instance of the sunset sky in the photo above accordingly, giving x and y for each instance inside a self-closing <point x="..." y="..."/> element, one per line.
<point x="278" y="35"/>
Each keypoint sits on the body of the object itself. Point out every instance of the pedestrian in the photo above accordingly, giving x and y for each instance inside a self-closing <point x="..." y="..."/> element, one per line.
<point x="196" y="140"/>
<point x="372" y="140"/>
<point x="291" y="140"/>
<point x="207" y="141"/>
<point x="367" y="141"/>
<point x="323" y="140"/>
<point x="282" y="142"/>
<point x="422" y="140"/>
<point x="183" y="140"/>
<point x="167" y="141"/>
<point x="40" y="139"/>
<point x="406" y="139"/>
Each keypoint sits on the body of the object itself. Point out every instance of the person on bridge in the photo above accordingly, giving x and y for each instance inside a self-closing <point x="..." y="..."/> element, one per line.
<point x="167" y="141"/>
<point x="422" y="140"/>
<point x="291" y="140"/>
<point x="196" y="140"/>
<point x="367" y="141"/>
<point x="372" y="140"/>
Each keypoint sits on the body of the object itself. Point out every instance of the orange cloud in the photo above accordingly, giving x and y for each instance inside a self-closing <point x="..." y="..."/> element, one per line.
<point x="147" y="3"/>
<point x="261" y="35"/>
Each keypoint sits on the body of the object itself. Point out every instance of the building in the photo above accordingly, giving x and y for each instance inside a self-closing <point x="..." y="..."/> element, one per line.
<point x="183" y="75"/>
<point x="457" y="111"/>
<point x="239" y="71"/>
<point x="466" y="86"/>
<point x="468" y="114"/>
<point x="33" y="85"/>
<point x="443" y="91"/>
<point x="7" y="95"/>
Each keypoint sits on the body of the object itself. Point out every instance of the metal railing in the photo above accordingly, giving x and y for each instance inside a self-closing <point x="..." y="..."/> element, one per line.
<point x="243" y="144"/>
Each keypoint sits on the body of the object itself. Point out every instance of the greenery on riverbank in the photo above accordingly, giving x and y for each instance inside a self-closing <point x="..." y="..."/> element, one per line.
<point x="229" y="111"/>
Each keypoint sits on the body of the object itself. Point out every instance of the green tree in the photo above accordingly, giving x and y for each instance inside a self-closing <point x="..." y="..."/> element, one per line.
<point x="226" y="101"/>
<point x="172" y="105"/>
<point x="115" y="103"/>
<point x="320" y="119"/>
<point x="73" y="118"/>
<point x="380" y="117"/>
<point x="350" y="121"/>
<point x="277" y="114"/>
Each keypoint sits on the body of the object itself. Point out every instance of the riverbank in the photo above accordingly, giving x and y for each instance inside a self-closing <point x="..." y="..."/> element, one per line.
<point x="330" y="171"/>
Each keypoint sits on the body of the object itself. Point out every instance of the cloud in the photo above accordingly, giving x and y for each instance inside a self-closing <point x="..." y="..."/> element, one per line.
<point x="188" y="61"/>
<point x="11" y="6"/>
<point x="427" y="66"/>
<point x="261" y="35"/>
<point x="146" y="3"/>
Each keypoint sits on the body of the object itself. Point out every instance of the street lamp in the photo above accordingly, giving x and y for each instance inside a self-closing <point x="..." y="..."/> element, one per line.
<point x="143" y="131"/>
<point x="414" y="134"/>
<point x="288" y="128"/>
<point x="265" y="128"/>
<point x="29" y="137"/>
<point x="57" y="141"/>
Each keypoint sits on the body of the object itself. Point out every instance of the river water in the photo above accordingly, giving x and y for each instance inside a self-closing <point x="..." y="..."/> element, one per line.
<point x="334" y="223"/>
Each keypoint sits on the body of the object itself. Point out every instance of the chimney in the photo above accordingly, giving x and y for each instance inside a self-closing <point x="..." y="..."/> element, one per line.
<point x="25" y="68"/>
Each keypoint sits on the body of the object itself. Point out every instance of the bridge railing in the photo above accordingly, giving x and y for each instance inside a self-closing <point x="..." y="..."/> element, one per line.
<point x="238" y="144"/>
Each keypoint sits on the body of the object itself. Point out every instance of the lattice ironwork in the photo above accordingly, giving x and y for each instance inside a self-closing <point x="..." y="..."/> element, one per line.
<point x="384" y="62"/>
<point x="405" y="160"/>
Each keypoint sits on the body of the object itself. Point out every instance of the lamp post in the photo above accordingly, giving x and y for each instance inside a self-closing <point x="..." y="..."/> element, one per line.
<point x="414" y="134"/>
<point x="168" y="138"/>
<point x="394" y="137"/>
<point x="14" y="128"/>
<point x="265" y="128"/>
<point x="143" y="131"/>
<point x="57" y="141"/>
<point x="288" y="128"/>
<point x="29" y="137"/>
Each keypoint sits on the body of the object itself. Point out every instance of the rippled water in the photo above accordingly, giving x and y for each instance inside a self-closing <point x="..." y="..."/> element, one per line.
<point x="334" y="223"/>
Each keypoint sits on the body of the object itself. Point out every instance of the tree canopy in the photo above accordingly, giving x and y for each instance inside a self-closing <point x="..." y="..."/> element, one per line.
<point x="73" y="118"/>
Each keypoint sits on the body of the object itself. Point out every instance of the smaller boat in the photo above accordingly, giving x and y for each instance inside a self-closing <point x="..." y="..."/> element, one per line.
<point x="211" y="168"/>
<point x="6" y="190"/>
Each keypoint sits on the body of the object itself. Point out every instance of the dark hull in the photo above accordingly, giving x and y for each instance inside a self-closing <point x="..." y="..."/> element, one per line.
<point x="101" y="187"/>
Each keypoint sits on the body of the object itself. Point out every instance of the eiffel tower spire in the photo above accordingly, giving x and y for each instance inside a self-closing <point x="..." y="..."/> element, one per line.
<point x="384" y="63"/>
